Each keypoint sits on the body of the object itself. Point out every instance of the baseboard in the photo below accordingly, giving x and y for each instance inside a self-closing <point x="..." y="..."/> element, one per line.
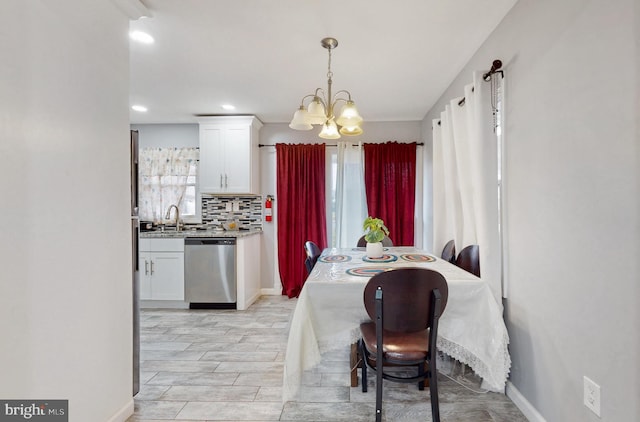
<point x="164" y="304"/>
<point x="253" y="298"/>
<point x="523" y="404"/>
<point x="271" y="292"/>
<point x="123" y="414"/>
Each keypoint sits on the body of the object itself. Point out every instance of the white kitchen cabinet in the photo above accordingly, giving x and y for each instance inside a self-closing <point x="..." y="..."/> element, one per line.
<point x="161" y="269"/>
<point x="248" y="266"/>
<point x="229" y="157"/>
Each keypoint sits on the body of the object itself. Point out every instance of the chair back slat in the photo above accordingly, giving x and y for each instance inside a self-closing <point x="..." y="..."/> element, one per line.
<point x="469" y="259"/>
<point x="386" y="241"/>
<point x="313" y="253"/>
<point x="407" y="297"/>
<point x="449" y="252"/>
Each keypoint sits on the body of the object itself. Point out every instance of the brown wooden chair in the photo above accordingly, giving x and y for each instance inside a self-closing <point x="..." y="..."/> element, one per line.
<point x="386" y="241"/>
<point x="405" y="305"/>
<point x="469" y="259"/>
<point x="313" y="253"/>
<point x="449" y="252"/>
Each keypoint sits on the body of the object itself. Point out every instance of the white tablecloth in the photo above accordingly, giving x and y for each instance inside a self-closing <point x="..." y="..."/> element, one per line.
<point x="330" y="309"/>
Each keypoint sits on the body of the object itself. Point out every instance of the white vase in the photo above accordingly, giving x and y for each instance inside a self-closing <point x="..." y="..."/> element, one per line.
<point x="374" y="250"/>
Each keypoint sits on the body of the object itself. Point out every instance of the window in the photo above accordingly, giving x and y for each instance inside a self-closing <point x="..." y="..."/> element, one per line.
<point x="167" y="177"/>
<point x="346" y="198"/>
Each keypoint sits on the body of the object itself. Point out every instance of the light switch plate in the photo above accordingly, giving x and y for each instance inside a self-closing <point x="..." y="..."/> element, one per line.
<point x="592" y="395"/>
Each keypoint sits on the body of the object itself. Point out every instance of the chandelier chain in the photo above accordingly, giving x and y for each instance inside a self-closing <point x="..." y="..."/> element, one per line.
<point x="329" y="72"/>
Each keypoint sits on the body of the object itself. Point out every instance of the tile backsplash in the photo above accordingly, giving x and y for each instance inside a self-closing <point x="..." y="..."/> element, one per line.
<point x="245" y="209"/>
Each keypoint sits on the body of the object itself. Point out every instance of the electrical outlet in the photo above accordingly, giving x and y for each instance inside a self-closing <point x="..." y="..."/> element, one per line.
<point x="592" y="395"/>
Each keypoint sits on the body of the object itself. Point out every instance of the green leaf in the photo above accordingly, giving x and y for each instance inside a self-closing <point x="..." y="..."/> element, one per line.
<point x="374" y="229"/>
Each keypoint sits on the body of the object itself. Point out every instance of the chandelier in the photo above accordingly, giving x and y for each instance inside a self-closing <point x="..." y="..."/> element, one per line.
<point x="321" y="108"/>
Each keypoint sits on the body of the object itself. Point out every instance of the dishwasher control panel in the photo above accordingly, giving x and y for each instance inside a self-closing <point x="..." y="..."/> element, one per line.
<point x="210" y="241"/>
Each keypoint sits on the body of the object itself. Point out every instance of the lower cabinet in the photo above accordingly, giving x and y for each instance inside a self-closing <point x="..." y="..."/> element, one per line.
<point x="248" y="266"/>
<point x="161" y="269"/>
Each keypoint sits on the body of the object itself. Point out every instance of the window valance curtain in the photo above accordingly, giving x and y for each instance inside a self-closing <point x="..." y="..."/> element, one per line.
<point x="163" y="175"/>
<point x="465" y="179"/>
<point x="390" y="180"/>
<point x="300" y="208"/>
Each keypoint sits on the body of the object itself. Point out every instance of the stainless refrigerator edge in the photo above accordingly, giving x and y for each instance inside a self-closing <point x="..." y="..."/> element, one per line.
<point x="135" y="274"/>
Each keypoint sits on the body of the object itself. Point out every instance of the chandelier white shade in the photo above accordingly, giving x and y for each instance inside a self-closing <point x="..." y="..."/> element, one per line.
<point x="300" y="120"/>
<point x="320" y="110"/>
<point x="329" y="130"/>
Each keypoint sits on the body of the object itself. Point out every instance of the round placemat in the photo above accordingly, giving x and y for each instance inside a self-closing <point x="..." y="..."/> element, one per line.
<point x="383" y="258"/>
<point x="366" y="271"/>
<point x="335" y="258"/>
<point x="362" y="248"/>
<point x="416" y="257"/>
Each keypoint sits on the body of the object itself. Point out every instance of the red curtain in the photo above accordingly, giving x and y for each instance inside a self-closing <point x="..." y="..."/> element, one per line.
<point x="390" y="182"/>
<point x="301" y="209"/>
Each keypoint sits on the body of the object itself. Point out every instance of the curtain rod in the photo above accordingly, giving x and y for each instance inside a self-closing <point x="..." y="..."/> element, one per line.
<point x="495" y="68"/>
<point x="331" y="145"/>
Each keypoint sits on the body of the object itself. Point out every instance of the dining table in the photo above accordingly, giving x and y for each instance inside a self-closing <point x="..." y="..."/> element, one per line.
<point x="330" y="308"/>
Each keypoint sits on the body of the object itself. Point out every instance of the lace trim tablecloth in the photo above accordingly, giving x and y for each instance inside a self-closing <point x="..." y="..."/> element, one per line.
<point x="330" y="308"/>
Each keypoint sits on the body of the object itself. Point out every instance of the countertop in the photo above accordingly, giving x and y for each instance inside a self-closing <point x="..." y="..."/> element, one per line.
<point x="172" y="234"/>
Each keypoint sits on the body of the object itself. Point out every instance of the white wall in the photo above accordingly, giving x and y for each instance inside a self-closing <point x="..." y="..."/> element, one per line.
<point x="65" y="306"/>
<point x="168" y="135"/>
<point x="572" y="188"/>
<point x="270" y="134"/>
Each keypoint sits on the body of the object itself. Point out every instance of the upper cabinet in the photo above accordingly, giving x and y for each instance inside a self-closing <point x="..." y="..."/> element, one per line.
<point x="229" y="158"/>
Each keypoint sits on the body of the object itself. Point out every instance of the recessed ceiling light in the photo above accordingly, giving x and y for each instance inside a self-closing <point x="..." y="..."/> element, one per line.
<point x="139" y="108"/>
<point x="228" y="107"/>
<point x="142" y="37"/>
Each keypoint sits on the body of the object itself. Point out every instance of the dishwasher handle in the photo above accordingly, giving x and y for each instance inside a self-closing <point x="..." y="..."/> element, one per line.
<point x="196" y="241"/>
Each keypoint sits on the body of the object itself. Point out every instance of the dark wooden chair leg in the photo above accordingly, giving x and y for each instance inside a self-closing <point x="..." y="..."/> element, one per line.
<point x="363" y="366"/>
<point x="355" y="363"/>
<point x="378" y="394"/>
<point x="433" y="392"/>
<point x="422" y="369"/>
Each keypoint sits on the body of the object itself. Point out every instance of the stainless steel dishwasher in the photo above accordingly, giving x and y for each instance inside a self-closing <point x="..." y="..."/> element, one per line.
<point x="210" y="272"/>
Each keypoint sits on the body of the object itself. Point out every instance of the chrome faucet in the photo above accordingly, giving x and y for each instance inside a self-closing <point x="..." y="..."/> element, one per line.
<point x="178" y="228"/>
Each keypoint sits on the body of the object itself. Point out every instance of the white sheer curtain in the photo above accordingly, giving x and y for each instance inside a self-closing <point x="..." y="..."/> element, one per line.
<point x="465" y="179"/>
<point x="164" y="176"/>
<point x="351" y="202"/>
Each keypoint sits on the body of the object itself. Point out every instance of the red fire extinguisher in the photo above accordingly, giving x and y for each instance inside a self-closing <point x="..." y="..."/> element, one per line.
<point x="268" y="215"/>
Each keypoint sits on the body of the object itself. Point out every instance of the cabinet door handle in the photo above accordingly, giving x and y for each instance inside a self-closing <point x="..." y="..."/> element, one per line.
<point x="146" y="267"/>
<point x="151" y="267"/>
<point x="220" y="180"/>
<point x="225" y="181"/>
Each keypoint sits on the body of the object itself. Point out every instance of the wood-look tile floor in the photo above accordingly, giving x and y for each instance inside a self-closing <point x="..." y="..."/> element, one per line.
<point x="226" y="365"/>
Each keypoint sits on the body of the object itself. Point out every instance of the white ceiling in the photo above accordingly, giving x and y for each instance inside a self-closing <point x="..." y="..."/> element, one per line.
<point x="395" y="57"/>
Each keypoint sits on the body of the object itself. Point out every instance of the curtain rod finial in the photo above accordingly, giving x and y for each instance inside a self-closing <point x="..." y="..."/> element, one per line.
<point x="497" y="64"/>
